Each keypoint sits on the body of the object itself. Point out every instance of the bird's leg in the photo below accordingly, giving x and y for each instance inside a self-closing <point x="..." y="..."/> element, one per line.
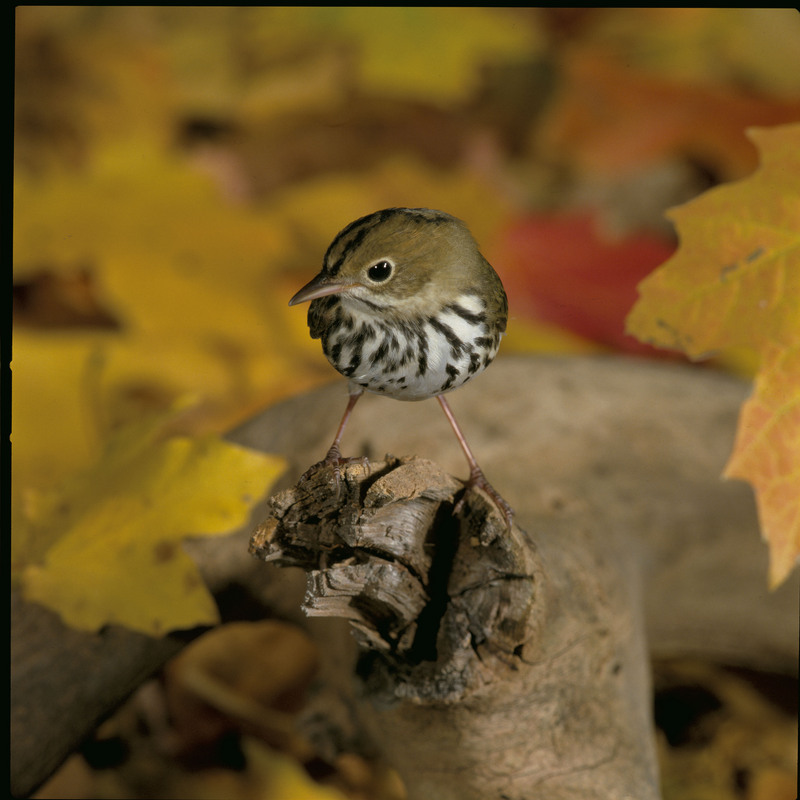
<point x="334" y="455"/>
<point x="476" y="476"/>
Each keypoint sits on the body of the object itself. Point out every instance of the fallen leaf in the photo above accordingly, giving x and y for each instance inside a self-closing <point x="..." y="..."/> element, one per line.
<point x="766" y="455"/>
<point x="735" y="282"/>
<point x="564" y="270"/>
<point x="735" y="279"/>
<point x="116" y="556"/>
<point x="50" y="375"/>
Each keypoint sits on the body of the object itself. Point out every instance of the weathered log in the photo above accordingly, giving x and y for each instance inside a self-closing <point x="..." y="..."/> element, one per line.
<point x="490" y="673"/>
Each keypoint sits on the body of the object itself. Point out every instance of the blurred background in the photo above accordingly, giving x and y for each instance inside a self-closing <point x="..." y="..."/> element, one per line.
<point x="179" y="173"/>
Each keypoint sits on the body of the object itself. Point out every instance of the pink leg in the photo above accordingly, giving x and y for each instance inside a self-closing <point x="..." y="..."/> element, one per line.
<point x="334" y="454"/>
<point x="476" y="476"/>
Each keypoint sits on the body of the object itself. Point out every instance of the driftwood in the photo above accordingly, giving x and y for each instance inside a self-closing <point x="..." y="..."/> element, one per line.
<point x="497" y="673"/>
<point x="613" y="467"/>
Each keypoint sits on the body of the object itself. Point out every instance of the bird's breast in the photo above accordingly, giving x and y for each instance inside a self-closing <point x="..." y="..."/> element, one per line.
<point x="410" y="356"/>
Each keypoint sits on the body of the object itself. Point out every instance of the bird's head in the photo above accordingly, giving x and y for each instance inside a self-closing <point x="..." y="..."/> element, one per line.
<point x="397" y="258"/>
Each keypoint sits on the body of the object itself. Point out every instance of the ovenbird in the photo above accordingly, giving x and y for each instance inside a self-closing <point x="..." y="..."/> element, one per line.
<point x="406" y="306"/>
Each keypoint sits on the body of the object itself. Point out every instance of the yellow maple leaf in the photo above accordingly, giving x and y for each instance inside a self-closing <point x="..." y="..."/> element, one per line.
<point x="735" y="282"/>
<point x="116" y="529"/>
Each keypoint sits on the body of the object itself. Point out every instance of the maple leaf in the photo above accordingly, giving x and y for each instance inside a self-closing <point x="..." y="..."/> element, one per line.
<point x="765" y="455"/>
<point x="115" y="529"/>
<point x="735" y="282"/>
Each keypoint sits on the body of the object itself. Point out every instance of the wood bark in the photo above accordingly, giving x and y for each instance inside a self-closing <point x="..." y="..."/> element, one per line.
<point x="612" y="466"/>
<point x="490" y="672"/>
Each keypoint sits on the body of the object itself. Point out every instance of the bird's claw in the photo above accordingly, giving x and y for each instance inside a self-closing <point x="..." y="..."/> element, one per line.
<point x="477" y="480"/>
<point x="334" y="459"/>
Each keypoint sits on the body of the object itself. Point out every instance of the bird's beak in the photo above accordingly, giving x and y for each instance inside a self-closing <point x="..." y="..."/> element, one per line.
<point x="319" y="286"/>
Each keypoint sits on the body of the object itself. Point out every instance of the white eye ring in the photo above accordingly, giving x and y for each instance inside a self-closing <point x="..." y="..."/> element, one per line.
<point x="380" y="271"/>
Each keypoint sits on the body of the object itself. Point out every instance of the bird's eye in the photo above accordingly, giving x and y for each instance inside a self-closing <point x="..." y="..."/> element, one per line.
<point x="380" y="271"/>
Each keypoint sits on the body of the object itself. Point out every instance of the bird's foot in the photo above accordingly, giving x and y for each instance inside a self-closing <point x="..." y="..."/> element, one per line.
<point x="477" y="480"/>
<point x="334" y="459"/>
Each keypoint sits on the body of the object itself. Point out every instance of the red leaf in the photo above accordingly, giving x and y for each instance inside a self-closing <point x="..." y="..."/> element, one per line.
<point x="562" y="269"/>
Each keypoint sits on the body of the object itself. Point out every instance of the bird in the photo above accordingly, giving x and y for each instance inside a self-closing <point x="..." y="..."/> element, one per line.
<point x="406" y="306"/>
